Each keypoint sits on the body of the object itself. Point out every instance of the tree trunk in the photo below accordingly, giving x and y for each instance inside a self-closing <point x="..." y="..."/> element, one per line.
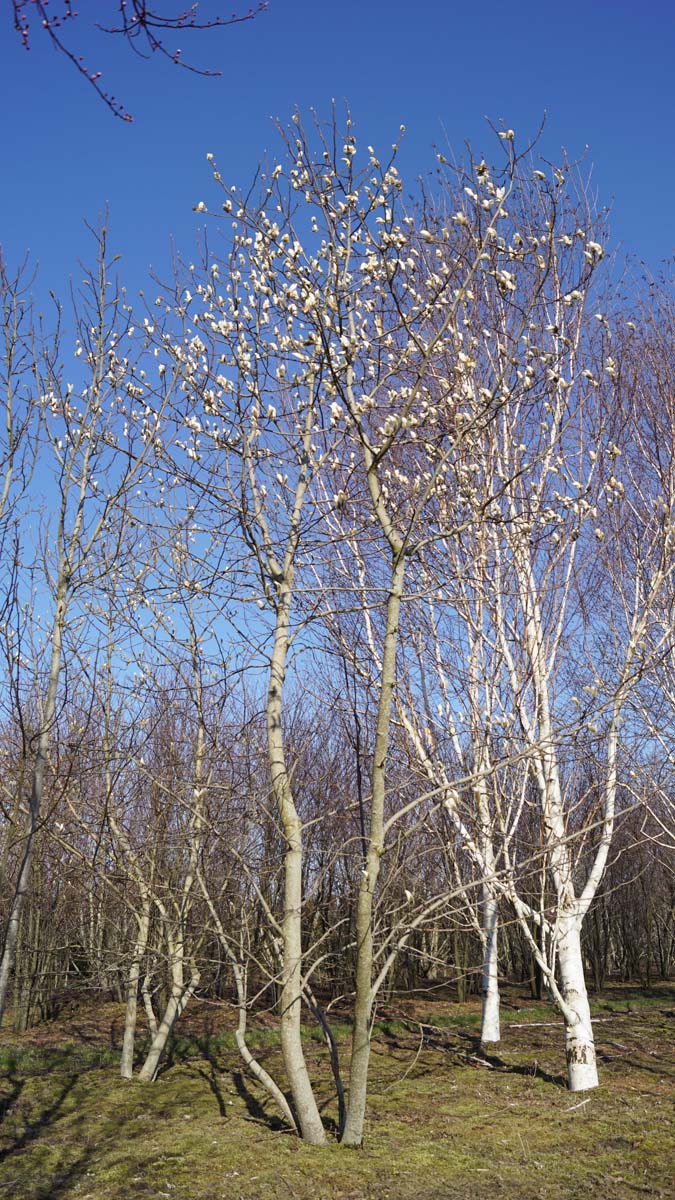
<point x="311" y="1125"/>
<point x="257" y="1071"/>
<point x="490" y="1030"/>
<point x="309" y="1118"/>
<point x="579" y="1044"/>
<point x="127" y="1063"/>
<point x="363" y="1004"/>
<point x="153" y="1025"/>
<point x="253" y="1066"/>
<point x="460" y="958"/>
<point x="175" y="1007"/>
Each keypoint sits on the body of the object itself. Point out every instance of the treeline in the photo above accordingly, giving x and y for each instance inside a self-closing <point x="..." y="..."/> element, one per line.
<point x="337" y="614"/>
<point x="81" y="917"/>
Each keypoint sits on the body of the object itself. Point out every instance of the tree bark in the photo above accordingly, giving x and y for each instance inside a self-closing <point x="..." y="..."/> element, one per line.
<point x="582" y="1071"/>
<point x="363" y="1004"/>
<point x="178" y="999"/>
<point x="127" y="1063"/>
<point x="309" y="1119"/>
<point x="490" y="1028"/>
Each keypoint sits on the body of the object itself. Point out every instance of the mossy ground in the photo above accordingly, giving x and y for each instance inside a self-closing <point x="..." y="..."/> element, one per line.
<point x="443" y="1121"/>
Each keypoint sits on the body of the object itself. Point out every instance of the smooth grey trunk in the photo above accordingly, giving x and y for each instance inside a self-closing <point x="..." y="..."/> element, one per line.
<point x="127" y="1063"/>
<point x="153" y="1024"/>
<point x="280" y="574"/>
<point x="178" y="999"/>
<point x="309" y="1118"/>
<point x="363" y="1003"/>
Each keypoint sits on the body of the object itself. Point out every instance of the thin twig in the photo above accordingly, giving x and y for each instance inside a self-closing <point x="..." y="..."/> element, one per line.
<point x="412" y="1064"/>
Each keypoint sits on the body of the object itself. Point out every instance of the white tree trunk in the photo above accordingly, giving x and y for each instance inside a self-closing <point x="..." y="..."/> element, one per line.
<point x="490" y="1030"/>
<point x="582" y="1071"/>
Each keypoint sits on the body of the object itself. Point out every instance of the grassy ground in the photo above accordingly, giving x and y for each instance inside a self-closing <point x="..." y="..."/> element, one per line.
<point x="443" y="1122"/>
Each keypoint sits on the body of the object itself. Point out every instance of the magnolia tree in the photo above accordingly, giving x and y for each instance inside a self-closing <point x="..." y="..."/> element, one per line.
<point x="396" y="459"/>
<point x="337" y="392"/>
<point x="527" y="335"/>
<point x="507" y="374"/>
<point x="551" y="532"/>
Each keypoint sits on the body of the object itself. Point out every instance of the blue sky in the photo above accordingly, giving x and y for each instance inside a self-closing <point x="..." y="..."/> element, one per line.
<point x="603" y="71"/>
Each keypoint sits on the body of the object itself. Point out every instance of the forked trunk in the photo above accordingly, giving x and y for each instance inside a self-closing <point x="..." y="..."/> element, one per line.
<point x="174" y="1009"/>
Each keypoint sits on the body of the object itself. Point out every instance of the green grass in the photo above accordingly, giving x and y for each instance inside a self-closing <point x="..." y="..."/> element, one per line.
<point x="441" y="1124"/>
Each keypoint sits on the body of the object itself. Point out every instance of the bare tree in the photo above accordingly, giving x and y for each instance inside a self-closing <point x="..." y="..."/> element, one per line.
<point x="94" y="452"/>
<point x="147" y="31"/>
<point x="546" y="478"/>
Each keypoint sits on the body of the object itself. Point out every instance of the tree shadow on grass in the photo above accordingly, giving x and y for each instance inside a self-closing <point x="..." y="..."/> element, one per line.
<point x="469" y="1050"/>
<point x="46" y="1118"/>
<point x="59" y="1184"/>
<point x="17" y="1085"/>
<point x="211" y="1079"/>
<point x="533" y="1071"/>
<point x="213" y="1074"/>
<point x="253" y="1106"/>
<point x="94" y="1039"/>
<point x="527" y="1070"/>
<point x="34" y="1178"/>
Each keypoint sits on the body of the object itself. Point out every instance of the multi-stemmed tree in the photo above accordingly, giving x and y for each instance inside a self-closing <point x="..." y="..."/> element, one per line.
<point x="356" y="375"/>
